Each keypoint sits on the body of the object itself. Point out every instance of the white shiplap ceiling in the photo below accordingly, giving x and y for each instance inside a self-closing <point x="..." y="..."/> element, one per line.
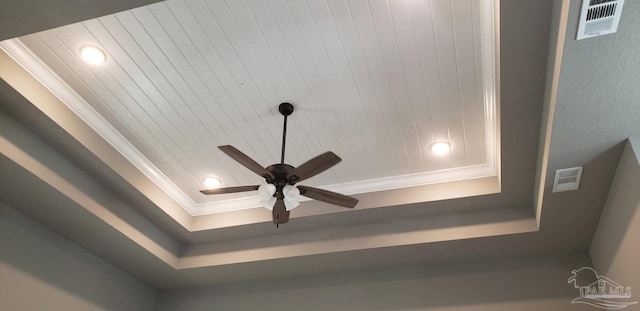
<point x="376" y="82"/>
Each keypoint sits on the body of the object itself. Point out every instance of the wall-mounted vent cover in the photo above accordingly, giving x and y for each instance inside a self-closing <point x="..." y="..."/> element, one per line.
<point x="567" y="179"/>
<point x="599" y="17"/>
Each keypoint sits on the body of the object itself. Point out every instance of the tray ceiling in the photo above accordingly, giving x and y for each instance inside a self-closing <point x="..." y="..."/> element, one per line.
<point x="377" y="82"/>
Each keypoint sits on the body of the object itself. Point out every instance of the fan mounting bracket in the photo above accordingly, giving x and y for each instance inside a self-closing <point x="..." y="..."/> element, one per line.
<point x="286" y="109"/>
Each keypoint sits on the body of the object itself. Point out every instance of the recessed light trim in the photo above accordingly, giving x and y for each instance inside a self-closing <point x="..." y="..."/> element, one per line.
<point x="211" y="182"/>
<point x="441" y="148"/>
<point x="92" y="54"/>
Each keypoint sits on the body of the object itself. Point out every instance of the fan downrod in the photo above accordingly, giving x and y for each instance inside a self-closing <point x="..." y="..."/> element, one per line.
<point x="286" y="109"/>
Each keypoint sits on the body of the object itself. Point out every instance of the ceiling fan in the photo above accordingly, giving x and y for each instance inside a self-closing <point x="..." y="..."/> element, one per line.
<point x="280" y="194"/>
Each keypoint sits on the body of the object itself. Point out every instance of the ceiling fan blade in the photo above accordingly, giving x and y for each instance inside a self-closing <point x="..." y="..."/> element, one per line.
<point x="229" y="190"/>
<point x="280" y="213"/>
<point x="328" y="196"/>
<point x="314" y="167"/>
<point x="246" y="161"/>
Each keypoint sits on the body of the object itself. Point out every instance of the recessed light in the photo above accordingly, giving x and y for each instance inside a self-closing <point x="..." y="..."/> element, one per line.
<point x="212" y="182"/>
<point x="440" y="148"/>
<point x="92" y="54"/>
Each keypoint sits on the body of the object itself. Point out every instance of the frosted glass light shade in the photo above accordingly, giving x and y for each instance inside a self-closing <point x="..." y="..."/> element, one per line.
<point x="291" y="197"/>
<point x="268" y="203"/>
<point x="266" y="193"/>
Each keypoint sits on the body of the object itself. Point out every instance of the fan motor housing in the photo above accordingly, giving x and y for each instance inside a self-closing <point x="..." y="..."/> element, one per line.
<point x="280" y="173"/>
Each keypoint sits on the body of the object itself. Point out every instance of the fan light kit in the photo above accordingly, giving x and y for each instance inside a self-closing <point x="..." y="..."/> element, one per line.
<point x="440" y="148"/>
<point x="280" y="193"/>
<point x="92" y="54"/>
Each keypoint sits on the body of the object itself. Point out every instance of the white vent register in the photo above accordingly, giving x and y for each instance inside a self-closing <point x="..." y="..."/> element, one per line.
<point x="567" y="179"/>
<point x="599" y="17"/>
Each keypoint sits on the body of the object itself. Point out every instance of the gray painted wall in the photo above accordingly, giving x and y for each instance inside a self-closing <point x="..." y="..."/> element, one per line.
<point x="18" y="18"/>
<point x="40" y="270"/>
<point x="597" y="103"/>
<point x="615" y="249"/>
<point x="520" y="284"/>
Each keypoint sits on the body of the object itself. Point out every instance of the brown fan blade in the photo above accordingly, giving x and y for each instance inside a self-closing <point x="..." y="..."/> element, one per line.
<point x="246" y="161"/>
<point x="314" y="167"/>
<point x="229" y="190"/>
<point x="328" y="196"/>
<point x="280" y="213"/>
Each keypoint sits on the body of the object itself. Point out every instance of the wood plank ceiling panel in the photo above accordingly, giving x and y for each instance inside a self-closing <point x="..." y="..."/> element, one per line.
<point x="206" y="98"/>
<point x="148" y="103"/>
<point x="446" y="53"/>
<point x="293" y="64"/>
<point x="178" y="102"/>
<point x="369" y="87"/>
<point x="326" y="91"/>
<point x="462" y="17"/>
<point x="394" y="77"/>
<point x="376" y="81"/>
<point x="405" y="36"/>
<point x="267" y="76"/>
<point x="340" y="84"/>
<point x="425" y="36"/>
<point x="119" y="101"/>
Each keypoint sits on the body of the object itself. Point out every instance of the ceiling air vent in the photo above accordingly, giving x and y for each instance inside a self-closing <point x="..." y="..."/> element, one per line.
<point x="567" y="179"/>
<point x="599" y="17"/>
